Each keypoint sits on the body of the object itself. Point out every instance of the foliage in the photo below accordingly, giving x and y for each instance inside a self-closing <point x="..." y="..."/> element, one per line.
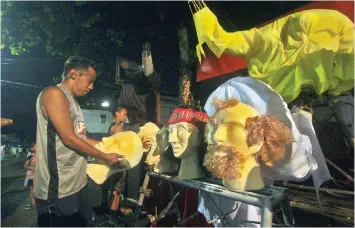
<point x="10" y="138"/>
<point x="64" y="29"/>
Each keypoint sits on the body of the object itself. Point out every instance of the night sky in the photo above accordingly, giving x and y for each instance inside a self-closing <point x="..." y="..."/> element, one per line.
<point x="155" y="22"/>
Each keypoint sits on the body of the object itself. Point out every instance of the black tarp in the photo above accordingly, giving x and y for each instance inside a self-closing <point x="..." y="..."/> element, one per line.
<point x="137" y="96"/>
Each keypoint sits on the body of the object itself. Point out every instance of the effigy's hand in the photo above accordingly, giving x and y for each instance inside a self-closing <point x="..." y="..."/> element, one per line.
<point x="196" y="5"/>
<point x="147" y="143"/>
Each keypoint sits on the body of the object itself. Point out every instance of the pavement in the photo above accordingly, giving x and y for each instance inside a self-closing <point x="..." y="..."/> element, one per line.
<point x="14" y="198"/>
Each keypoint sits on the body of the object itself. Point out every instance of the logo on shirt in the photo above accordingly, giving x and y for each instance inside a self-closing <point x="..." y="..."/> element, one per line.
<point x="81" y="128"/>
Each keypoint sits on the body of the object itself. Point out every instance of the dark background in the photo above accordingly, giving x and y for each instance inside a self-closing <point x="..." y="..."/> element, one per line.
<point x="24" y="76"/>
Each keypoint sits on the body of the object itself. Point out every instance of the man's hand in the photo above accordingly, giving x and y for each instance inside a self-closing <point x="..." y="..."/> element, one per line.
<point x="112" y="158"/>
<point x="5" y="122"/>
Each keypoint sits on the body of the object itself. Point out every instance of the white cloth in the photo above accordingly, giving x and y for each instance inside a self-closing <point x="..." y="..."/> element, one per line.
<point x="303" y="158"/>
<point x="212" y="206"/>
<point x="299" y="160"/>
<point x="320" y="174"/>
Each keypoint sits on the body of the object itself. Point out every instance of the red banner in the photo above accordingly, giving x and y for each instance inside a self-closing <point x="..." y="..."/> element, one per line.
<point x="211" y="66"/>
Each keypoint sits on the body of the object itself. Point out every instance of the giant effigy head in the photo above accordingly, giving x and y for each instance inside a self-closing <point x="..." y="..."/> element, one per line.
<point x="239" y="138"/>
<point x="185" y="127"/>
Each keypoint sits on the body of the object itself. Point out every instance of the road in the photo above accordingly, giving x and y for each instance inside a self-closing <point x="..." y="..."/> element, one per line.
<point x="14" y="198"/>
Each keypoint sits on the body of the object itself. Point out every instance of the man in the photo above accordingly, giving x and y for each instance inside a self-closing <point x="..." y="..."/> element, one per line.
<point x="60" y="182"/>
<point x="119" y="118"/>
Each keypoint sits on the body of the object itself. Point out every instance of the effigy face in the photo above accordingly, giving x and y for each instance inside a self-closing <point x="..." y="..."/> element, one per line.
<point x="226" y="138"/>
<point x="183" y="138"/>
<point x="185" y="125"/>
<point x="238" y="139"/>
<point x="156" y="158"/>
<point x="162" y="138"/>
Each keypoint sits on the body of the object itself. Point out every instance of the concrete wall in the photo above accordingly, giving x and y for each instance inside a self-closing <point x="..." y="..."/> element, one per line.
<point x="97" y="121"/>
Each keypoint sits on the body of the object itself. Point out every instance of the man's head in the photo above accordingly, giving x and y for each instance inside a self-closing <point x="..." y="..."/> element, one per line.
<point x="120" y="114"/>
<point x="81" y="72"/>
<point x="33" y="147"/>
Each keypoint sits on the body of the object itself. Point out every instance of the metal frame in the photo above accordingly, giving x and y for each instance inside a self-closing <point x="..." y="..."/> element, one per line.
<point x="265" y="198"/>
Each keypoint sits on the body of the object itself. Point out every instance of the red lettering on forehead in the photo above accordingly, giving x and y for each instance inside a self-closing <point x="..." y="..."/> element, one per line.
<point x="188" y="116"/>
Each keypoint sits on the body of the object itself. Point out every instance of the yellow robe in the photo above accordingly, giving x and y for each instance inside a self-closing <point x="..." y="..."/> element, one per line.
<point x="305" y="49"/>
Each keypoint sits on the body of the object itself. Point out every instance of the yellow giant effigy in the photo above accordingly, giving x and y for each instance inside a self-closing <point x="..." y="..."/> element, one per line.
<point x="312" y="48"/>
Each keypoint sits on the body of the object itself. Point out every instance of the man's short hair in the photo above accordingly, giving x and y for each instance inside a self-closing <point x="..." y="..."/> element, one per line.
<point x="77" y="63"/>
<point x="118" y="108"/>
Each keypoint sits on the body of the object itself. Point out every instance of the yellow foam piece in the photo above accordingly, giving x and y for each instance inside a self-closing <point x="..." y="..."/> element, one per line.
<point x="125" y="143"/>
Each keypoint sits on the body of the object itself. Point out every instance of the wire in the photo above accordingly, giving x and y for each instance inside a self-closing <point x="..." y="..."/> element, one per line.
<point x="22" y="84"/>
<point x="31" y="59"/>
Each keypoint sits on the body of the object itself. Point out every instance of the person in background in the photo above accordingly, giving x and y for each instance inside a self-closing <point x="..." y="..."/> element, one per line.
<point x="30" y="165"/>
<point x="113" y="187"/>
<point x="60" y="180"/>
<point x="119" y="118"/>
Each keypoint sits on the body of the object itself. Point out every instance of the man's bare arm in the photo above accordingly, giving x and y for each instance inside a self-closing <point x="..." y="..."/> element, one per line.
<point x="5" y="122"/>
<point x="91" y="141"/>
<point x="56" y="106"/>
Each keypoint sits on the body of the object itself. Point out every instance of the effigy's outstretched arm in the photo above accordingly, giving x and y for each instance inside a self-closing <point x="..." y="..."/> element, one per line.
<point x="209" y="31"/>
<point x="219" y="41"/>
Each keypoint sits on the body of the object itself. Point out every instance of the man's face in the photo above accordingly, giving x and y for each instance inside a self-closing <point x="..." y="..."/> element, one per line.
<point x="122" y="115"/>
<point x="84" y="81"/>
<point x="34" y="148"/>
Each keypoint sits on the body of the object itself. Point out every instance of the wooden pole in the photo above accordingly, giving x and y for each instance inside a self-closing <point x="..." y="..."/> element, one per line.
<point x="158" y="107"/>
<point x="185" y="96"/>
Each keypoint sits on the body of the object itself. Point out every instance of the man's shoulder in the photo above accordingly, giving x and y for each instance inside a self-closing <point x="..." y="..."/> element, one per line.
<point x="29" y="157"/>
<point x="115" y="128"/>
<point x="52" y="92"/>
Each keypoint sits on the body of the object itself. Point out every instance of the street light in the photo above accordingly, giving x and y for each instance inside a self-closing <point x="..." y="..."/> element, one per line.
<point x="105" y="104"/>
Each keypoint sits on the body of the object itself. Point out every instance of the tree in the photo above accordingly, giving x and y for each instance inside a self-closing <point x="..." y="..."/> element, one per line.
<point x="185" y="96"/>
<point x="63" y="29"/>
